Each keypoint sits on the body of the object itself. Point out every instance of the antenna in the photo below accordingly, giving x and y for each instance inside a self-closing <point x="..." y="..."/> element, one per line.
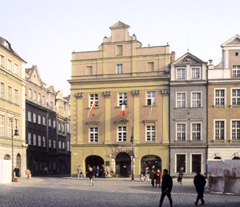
<point x="188" y="44"/>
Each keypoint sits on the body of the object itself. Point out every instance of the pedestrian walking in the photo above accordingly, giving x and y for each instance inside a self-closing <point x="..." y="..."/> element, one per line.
<point x="46" y="170"/>
<point x="79" y="171"/>
<point x="158" y="177"/>
<point x="90" y="175"/>
<point x="199" y="183"/>
<point x="180" y="176"/>
<point x="17" y="171"/>
<point x="153" y="177"/>
<point x="147" y="174"/>
<point x="167" y="184"/>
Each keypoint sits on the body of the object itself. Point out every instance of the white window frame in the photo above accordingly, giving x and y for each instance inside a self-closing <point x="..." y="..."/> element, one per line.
<point x="92" y="98"/>
<point x="181" y="100"/>
<point x="39" y="119"/>
<point x="29" y="116"/>
<point x="44" y="120"/>
<point x="121" y="133"/>
<point x="49" y="143"/>
<point x="16" y="69"/>
<point x="214" y="124"/>
<point x="215" y="97"/>
<point x="63" y="145"/>
<point x="16" y="96"/>
<point x="179" y="76"/>
<point x="236" y="97"/>
<point x="236" y="70"/>
<point x="2" y="61"/>
<point x="34" y="140"/>
<point x="94" y="131"/>
<point x="151" y="95"/>
<point x="186" y="161"/>
<point x="10" y="127"/>
<point x="50" y="122"/>
<point x="34" y="96"/>
<point x="30" y="93"/>
<point x="2" y="125"/>
<point x="176" y="138"/>
<point x="2" y="90"/>
<point x="194" y="73"/>
<point x="151" y="131"/>
<point x="231" y="137"/>
<point x="54" y="144"/>
<point x="34" y="118"/>
<point x="196" y="92"/>
<point x="119" y="68"/>
<point x="44" y="141"/>
<point x="39" y="141"/>
<point x="122" y="97"/>
<point x="59" y="144"/>
<point x="9" y="97"/>
<point x="9" y="65"/>
<point x="68" y="146"/>
<point x="191" y="154"/>
<point x="196" y="131"/>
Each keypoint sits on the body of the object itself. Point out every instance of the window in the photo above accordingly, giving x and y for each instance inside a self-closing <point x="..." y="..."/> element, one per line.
<point x="181" y="132"/>
<point x="34" y="118"/>
<point x="59" y="127"/>
<point x="50" y="122"/>
<point x="39" y="98"/>
<point x="29" y="93"/>
<point x="16" y="96"/>
<point x="39" y="141"/>
<point x="29" y="138"/>
<point x="16" y="69"/>
<point x="196" y="162"/>
<point x="119" y="49"/>
<point x="60" y="144"/>
<point x="181" y="100"/>
<point x="151" y="98"/>
<point x="34" y="96"/>
<point x="122" y="133"/>
<point x="219" y="97"/>
<point x="181" y="162"/>
<point x="68" y="146"/>
<point x="2" y="125"/>
<point x="10" y="124"/>
<point x="119" y="68"/>
<point x="63" y="127"/>
<point x="54" y="144"/>
<point x="150" y="133"/>
<point x="44" y="120"/>
<point x="44" y="141"/>
<point x="39" y="119"/>
<point x="195" y="73"/>
<point x="68" y="128"/>
<point x="54" y="123"/>
<point x="9" y="93"/>
<point x="196" y="131"/>
<point x="9" y="65"/>
<point x="2" y="61"/>
<point x="236" y="71"/>
<point x="93" y="98"/>
<point x="2" y="90"/>
<point x="122" y="99"/>
<point x="236" y="130"/>
<point x="181" y="73"/>
<point x="50" y="143"/>
<point x="236" y="97"/>
<point x="93" y="134"/>
<point x="236" y="53"/>
<point x="89" y="70"/>
<point x="63" y="145"/>
<point x="29" y="116"/>
<point x="196" y="99"/>
<point x="34" y="140"/>
<point x="43" y="100"/>
<point x="150" y="66"/>
<point x="219" y="130"/>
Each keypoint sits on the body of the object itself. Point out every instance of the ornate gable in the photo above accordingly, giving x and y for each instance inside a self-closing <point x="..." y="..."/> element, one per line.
<point x="235" y="40"/>
<point x="188" y="59"/>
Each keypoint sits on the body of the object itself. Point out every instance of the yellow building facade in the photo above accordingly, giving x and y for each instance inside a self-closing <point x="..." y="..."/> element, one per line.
<point x="12" y="106"/>
<point x="120" y="72"/>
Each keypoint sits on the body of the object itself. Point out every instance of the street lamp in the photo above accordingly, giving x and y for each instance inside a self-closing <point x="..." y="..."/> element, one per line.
<point x="15" y="134"/>
<point x="132" y="157"/>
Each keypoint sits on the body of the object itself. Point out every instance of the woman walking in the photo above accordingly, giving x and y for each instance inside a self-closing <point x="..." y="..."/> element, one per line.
<point x="158" y="179"/>
<point x="180" y="176"/>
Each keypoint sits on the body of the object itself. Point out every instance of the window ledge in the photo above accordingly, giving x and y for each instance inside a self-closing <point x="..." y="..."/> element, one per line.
<point x="234" y="106"/>
<point x="117" y="107"/>
<point x="219" y="106"/>
<point x="155" y="105"/>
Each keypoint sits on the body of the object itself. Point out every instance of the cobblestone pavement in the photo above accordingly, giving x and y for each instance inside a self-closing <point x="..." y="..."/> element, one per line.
<point x="73" y="192"/>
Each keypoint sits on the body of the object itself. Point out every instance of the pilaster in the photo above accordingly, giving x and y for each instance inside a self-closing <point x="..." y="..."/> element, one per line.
<point x="79" y="118"/>
<point x="165" y="96"/>
<point x="107" y="95"/>
<point x="136" y="105"/>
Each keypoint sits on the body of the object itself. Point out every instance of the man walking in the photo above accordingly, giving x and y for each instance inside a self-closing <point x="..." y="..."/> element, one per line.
<point x="167" y="184"/>
<point x="199" y="182"/>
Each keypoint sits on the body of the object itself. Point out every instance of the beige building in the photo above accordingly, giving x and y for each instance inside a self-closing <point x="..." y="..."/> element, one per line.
<point x="224" y="103"/>
<point x="12" y="106"/>
<point x="120" y="72"/>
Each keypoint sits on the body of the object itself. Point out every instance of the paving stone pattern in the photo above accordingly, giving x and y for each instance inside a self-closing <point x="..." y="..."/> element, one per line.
<point x="73" y="192"/>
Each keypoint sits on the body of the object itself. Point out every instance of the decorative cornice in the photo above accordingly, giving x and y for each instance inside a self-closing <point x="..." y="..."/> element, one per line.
<point x="164" y="91"/>
<point x="92" y="123"/>
<point x="107" y="94"/>
<point x="135" y="92"/>
<point x="117" y="121"/>
<point x="78" y="95"/>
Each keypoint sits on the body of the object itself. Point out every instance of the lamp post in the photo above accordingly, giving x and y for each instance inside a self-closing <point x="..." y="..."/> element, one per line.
<point x="15" y="134"/>
<point x="132" y="157"/>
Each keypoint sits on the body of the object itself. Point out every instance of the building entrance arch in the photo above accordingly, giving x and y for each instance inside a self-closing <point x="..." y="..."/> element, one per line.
<point x="123" y="164"/>
<point x="151" y="161"/>
<point x="93" y="160"/>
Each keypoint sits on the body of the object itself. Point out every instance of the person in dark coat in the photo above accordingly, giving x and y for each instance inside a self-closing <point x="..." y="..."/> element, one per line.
<point x="153" y="177"/>
<point x="180" y="176"/>
<point x="167" y="184"/>
<point x="90" y="175"/>
<point x="199" y="183"/>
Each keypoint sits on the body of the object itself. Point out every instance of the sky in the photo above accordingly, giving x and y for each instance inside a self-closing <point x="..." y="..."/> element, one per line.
<point x="46" y="32"/>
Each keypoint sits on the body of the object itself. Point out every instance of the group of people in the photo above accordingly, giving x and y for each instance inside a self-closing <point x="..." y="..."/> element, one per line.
<point x="167" y="183"/>
<point x="152" y="175"/>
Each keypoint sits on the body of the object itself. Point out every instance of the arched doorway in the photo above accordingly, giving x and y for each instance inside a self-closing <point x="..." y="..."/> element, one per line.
<point x="236" y="158"/>
<point x="150" y="161"/>
<point x="7" y="157"/>
<point x="94" y="160"/>
<point x="123" y="164"/>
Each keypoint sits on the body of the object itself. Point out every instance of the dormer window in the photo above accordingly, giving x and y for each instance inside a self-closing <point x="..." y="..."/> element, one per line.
<point x="181" y="73"/>
<point x="195" y="73"/>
